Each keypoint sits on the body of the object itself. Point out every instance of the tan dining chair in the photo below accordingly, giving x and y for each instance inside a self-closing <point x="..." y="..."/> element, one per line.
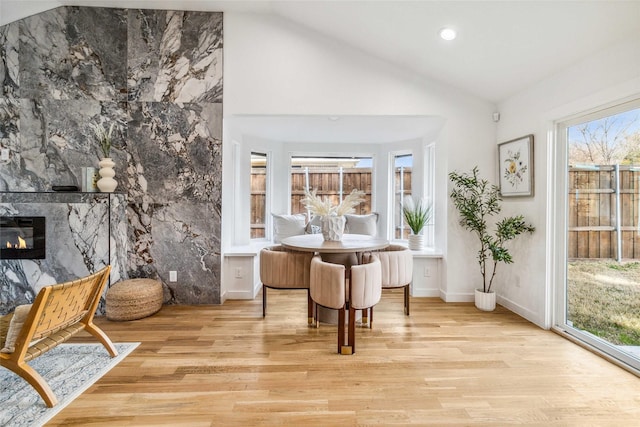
<point x="365" y="290"/>
<point x="397" y="270"/>
<point x="282" y="268"/>
<point x="328" y="289"/>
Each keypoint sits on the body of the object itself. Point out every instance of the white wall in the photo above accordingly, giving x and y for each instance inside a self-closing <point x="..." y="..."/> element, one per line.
<point x="274" y="67"/>
<point x="608" y="77"/>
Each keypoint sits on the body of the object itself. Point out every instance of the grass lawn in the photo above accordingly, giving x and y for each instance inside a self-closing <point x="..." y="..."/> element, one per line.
<point x="604" y="299"/>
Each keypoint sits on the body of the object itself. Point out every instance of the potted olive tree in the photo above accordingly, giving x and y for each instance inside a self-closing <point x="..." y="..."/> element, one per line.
<point x="477" y="201"/>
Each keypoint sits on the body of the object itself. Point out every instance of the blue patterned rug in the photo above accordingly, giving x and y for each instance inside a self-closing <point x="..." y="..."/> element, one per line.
<point x="69" y="369"/>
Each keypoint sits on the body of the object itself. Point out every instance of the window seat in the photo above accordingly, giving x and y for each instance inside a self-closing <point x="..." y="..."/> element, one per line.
<point x="241" y="271"/>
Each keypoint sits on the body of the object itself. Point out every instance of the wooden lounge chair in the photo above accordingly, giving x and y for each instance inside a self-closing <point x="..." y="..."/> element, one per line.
<point x="59" y="312"/>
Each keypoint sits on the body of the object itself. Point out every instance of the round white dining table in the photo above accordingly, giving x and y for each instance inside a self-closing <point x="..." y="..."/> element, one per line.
<point x="350" y="243"/>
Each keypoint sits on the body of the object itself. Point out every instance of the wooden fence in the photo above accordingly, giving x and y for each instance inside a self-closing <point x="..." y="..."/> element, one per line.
<point x="327" y="181"/>
<point x="593" y="220"/>
<point x="604" y="204"/>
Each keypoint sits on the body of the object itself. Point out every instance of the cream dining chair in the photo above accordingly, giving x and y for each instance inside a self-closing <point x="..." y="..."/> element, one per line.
<point x="328" y="289"/>
<point x="397" y="270"/>
<point x="365" y="290"/>
<point x="281" y="268"/>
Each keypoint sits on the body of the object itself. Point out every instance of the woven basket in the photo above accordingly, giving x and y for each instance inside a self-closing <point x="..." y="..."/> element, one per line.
<point x="134" y="299"/>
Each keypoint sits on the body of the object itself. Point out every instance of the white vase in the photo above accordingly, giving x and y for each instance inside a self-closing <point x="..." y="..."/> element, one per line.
<point x="333" y="227"/>
<point x="416" y="242"/>
<point x="106" y="183"/>
<point x="485" y="301"/>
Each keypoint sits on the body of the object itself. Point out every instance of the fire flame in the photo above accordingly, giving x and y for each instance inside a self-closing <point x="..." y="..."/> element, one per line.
<point x="22" y="244"/>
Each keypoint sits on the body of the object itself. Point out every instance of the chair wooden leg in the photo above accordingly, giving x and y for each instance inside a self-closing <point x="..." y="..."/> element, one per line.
<point x="406" y="300"/>
<point x="365" y="317"/>
<point x="310" y="307"/>
<point x="341" y="313"/>
<point x="370" y="317"/>
<point x="36" y="381"/>
<point x="352" y="329"/>
<point x="102" y="337"/>
<point x="264" y="300"/>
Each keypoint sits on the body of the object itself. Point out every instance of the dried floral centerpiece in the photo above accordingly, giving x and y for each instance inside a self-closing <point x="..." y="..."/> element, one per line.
<point x="104" y="138"/>
<point x="332" y="217"/>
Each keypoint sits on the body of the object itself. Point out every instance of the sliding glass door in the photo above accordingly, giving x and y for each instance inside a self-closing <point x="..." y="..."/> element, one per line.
<point x="598" y="300"/>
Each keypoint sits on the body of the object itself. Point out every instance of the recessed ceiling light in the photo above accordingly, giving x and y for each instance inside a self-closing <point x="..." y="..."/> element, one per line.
<point x="448" y="34"/>
<point x="334" y="118"/>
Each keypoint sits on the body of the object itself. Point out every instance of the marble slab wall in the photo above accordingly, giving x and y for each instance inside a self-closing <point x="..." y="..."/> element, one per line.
<point x="157" y="76"/>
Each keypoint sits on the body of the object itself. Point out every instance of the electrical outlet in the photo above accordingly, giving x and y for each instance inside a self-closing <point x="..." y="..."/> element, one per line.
<point x="427" y="272"/>
<point x="173" y="276"/>
<point x="238" y="272"/>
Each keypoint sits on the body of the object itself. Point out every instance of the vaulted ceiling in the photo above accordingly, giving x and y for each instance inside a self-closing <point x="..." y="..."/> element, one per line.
<point x="503" y="47"/>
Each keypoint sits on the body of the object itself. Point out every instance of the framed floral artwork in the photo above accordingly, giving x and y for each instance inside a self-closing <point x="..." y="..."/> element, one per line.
<point x="515" y="165"/>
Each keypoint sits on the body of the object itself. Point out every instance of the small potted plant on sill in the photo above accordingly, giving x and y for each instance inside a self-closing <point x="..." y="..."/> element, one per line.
<point x="477" y="201"/>
<point x="106" y="183"/>
<point x="417" y="215"/>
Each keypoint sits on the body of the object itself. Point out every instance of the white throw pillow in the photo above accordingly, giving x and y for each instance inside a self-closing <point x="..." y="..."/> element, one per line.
<point x="15" y="326"/>
<point x="362" y="224"/>
<point x="287" y="225"/>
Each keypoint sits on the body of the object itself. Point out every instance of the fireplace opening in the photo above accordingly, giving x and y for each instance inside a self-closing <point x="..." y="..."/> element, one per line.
<point x="22" y="237"/>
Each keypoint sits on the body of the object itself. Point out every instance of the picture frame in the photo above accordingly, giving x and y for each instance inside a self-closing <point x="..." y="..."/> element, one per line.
<point x="515" y="167"/>
<point x="88" y="179"/>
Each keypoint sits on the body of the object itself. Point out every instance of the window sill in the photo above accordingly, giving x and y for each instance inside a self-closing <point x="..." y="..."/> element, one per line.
<point x="424" y="253"/>
<point x="252" y="249"/>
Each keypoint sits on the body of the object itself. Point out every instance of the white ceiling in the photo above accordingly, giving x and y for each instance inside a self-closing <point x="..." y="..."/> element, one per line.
<point x="503" y="46"/>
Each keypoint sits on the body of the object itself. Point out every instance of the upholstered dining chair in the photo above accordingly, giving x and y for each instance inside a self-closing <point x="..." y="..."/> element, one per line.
<point x="397" y="270"/>
<point x="328" y="288"/>
<point x="365" y="290"/>
<point x="281" y="268"/>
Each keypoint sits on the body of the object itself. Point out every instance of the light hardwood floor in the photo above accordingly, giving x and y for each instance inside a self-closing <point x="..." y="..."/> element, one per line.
<point x="446" y="364"/>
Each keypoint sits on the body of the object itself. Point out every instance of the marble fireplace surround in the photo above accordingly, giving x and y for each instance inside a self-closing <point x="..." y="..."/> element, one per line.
<point x="85" y="232"/>
<point x="158" y="76"/>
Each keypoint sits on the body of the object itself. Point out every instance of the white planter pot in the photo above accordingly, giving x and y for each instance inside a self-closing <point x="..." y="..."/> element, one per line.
<point x="485" y="301"/>
<point x="333" y="227"/>
<point x="106" y="183"/>
<point x="416" y="242"/>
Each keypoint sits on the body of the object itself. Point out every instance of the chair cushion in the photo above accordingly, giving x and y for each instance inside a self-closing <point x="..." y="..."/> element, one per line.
<point x="287" y="225"/>
<point x="15" y="326"/>
<point x="366" y="283"/>
<point x="281" y="268"/>
<point x="362" y="224"/>
<point x="327" y="287"/>
<point x="397" y="266"/>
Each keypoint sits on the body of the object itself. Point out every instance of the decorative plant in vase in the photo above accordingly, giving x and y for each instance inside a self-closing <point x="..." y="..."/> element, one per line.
<point x="106" y="183"/>
<point x="477" y="201"/>
<point x="332" y="217"/>
<point x="417" y="215"/>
